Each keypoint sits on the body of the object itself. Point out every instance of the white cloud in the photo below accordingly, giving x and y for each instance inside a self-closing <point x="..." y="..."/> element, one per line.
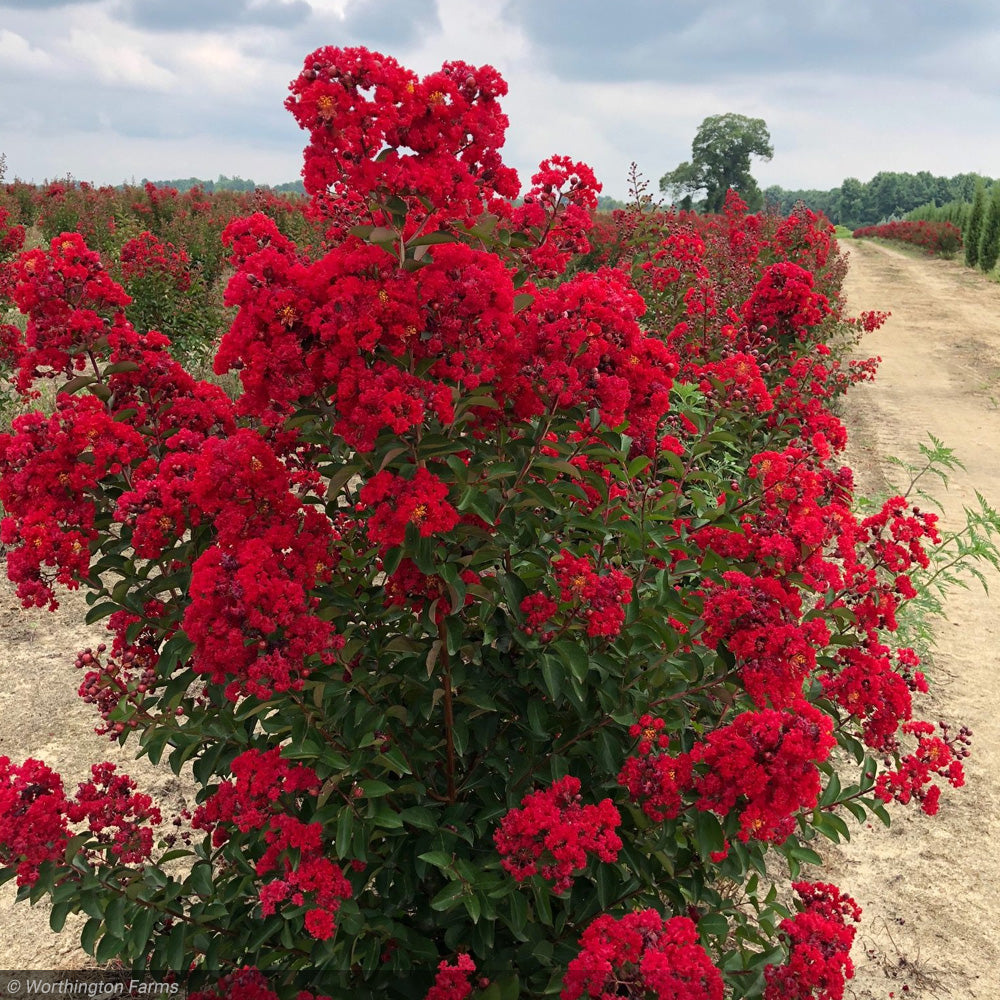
<point x="117" y="57"/>
<point x="17" y="53"/>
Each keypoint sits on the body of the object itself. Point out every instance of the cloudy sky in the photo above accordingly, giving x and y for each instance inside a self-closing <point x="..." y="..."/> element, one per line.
<point x="114" y="90"/>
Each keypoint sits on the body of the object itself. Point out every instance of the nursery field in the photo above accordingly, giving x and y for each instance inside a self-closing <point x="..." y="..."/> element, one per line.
<point x="929" y="894"/>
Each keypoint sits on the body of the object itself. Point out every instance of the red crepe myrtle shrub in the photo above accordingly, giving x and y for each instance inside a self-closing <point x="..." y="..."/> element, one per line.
<point x="510" y="611"/>
<point x="934" y="237"/>
<point x="168" y="294"/>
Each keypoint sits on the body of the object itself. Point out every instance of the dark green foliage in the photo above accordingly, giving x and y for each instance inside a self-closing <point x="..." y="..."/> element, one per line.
<point x="972" y="232"/>
<point x="989" y="242"/>
<point x="886" y="196"/>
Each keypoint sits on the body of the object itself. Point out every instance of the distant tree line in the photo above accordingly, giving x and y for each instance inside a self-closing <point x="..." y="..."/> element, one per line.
<point x="887" y="195"/>
<point x="225" y="183"/>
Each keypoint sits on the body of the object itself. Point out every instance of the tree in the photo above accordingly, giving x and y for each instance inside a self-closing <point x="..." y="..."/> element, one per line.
<point x="720" y="160"/>
<point x="851" y="204"/>
<point x="973" y="229"/>
<point x="989" y="242"/>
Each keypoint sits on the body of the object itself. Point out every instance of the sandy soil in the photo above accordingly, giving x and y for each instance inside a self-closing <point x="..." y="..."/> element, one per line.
<point x="929" y="886"/>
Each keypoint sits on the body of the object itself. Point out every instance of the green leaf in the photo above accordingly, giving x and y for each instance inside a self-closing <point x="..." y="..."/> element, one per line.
<point x="537" y="718"/>
<point x="473" y="907"/>
<point x="439" y="859"/>
<point x="141" y="930"/>
<point x="543" y="907"/>
<point x="386" y="818"/>
<point x="448" y="897"/>
<point x="574" y="656"/>
<point x="857" y="810"/>
<point x="714" y="924"/>
<point x="552" y="675"/>
<point x="58" y="915"/>
<point x="518" y="914"/>
<point x="375" y="789"/>
<point x="76" y="383"/>
<point x="177" y="958"/>
<point x="109" y="948"/>
<point x="95" y="614"/>
<point x="114" y="917"/>
<point x="510" y="987"/>
<point x="88" y="936"/>
<point x="200" y="879"/>
<point x="421" y="817"/>
<point x="709" y="836"/>
<point x="431" y="239"/>
<point x="345" y="827"/>
<point x="832" y="790"/>
<point x="832" y="827"/>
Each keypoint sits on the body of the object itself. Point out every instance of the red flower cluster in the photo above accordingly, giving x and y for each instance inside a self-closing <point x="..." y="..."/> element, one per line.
<point x="820" y="942"/>
<point x="33" y="827"/>
<point x="247" y="983"/>
<point x="48" y="467"/>
<point x="375" y="127"/>
<point x="760" y="621"/>
<point x="70" y="302"/>
<point x="11" y="243"/>
<point x="112" y="808"/>
<point x="35" y="816"/>
<point x="395" y="502"/>
<point x="252" y="622"/>
<point x="584" y="595"/>
<point x="641" y="954"/>
<point x="655" y="781"/>
<point x="407" y="587"/>
<point x="764" y="764"/>
<point x="553" y="833"/>
<point x="784" y="301"/>
<point x="452" y="981"/>
<point x="935" y="755"/>
<point x="579" y="347"/>
<point x="258" y="800"/>
<point x="560" y="219"/>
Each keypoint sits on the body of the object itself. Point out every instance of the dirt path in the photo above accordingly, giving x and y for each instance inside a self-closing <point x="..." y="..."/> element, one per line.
<point x="929" y="886"/>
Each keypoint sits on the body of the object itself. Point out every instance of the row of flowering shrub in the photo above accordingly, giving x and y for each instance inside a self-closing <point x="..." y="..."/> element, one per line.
<point x="162" y="245"/>
<point x="934" y="237"/>
<point x="508" y="621"/>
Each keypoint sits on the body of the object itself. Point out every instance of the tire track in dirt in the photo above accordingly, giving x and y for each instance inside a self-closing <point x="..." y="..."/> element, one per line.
<point x="929" y="885"/>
